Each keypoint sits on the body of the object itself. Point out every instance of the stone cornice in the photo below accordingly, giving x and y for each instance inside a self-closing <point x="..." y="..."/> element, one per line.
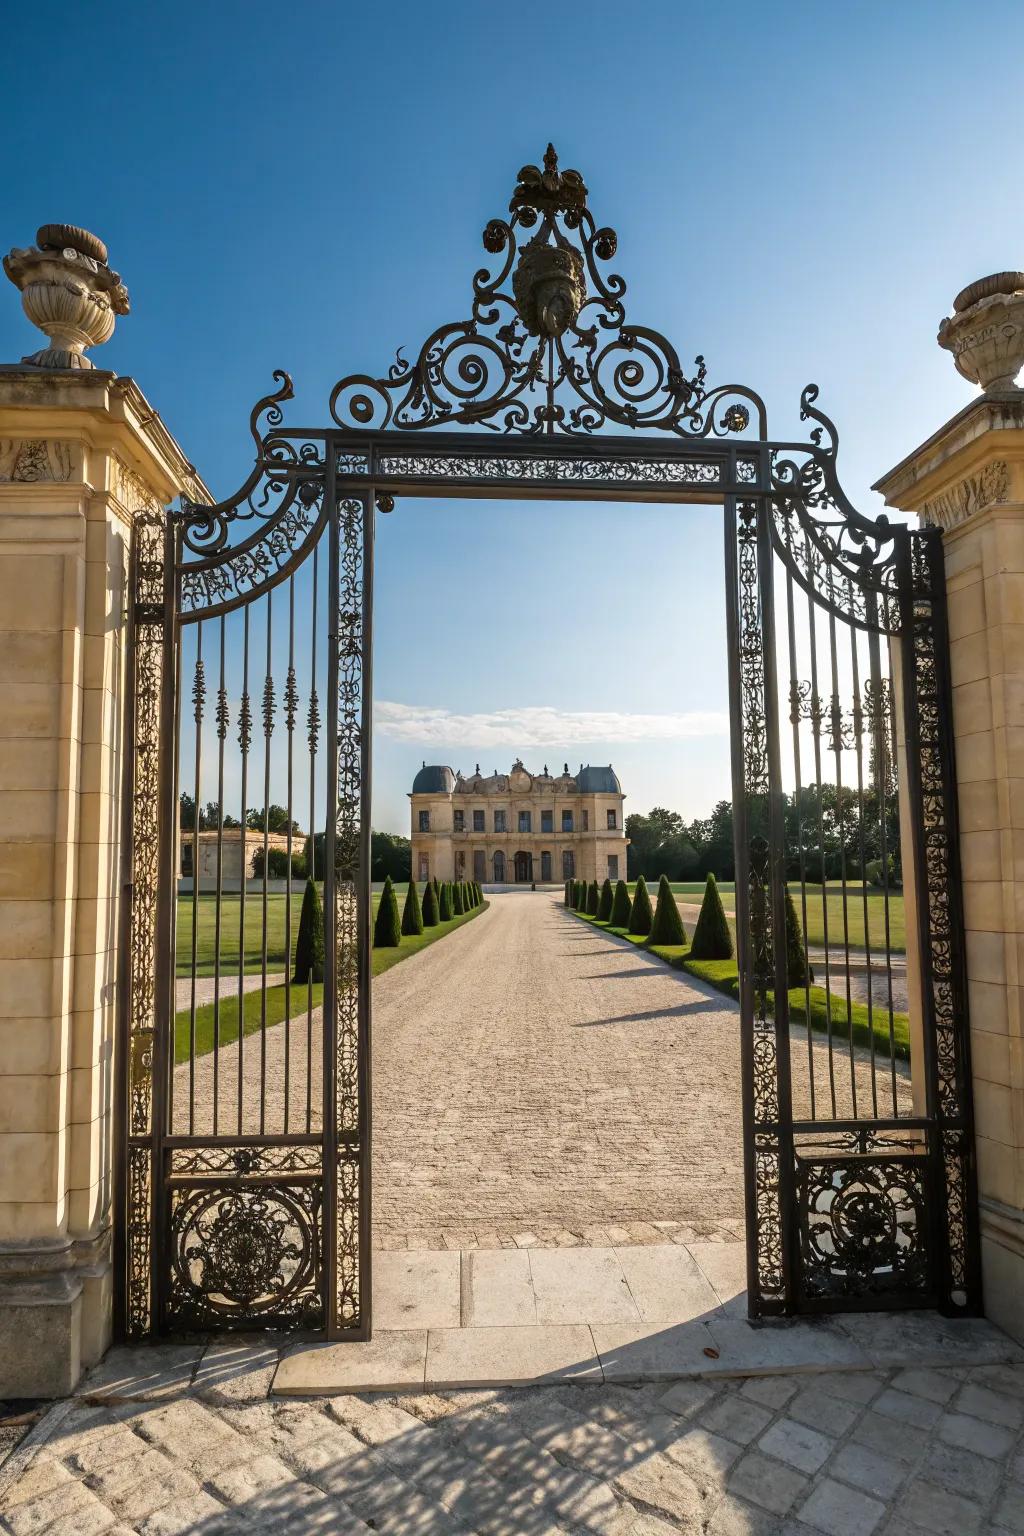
<point x="976" y="459"/>
<point x="111" y="413"/>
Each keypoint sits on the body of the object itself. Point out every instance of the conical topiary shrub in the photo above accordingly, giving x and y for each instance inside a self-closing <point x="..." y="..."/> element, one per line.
<point x="581" y="895"/>
<point x="458" y="905"/>
<point x="622" y="907"/>
<point x="309" y="942"/>
<point x="412" y="917"/>
<point x="568" y="886"/>
<point x="667" y="927"/>
<point x="387" y="930"/>
<point x="604" y="906"/>
<point x="641" y="917"/>
<point x="796" y="958"/>
<point x="431" y="916"/>
<point x="593" y="898"/>
<point x="712" y="939"/>
<point x="446" y="909"/>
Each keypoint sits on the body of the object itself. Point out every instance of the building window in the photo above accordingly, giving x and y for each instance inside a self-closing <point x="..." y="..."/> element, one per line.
<point x="460" y="821"/>
<point x="479" y="865"/>
<point x="545" y="866"/>
<point x="424" y="867"/>
<point x="613" y="866"/>
<point x="524" y="821"/>
<point x="586" y="821"/>
<point x="499" y="867"/>
<point x="499" y="821"/>
<point x="424" y="821"/>
<point x="568" y="864"/>
<point x="478" y="821"/>
<point x="547" y="821"/>
<point x="567" y="822"/>
<point x="611" y="821"/>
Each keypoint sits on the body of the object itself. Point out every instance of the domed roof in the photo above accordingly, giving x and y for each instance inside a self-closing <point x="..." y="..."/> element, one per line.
<point x="598" y="781"/>
<point x="433" y="779"/>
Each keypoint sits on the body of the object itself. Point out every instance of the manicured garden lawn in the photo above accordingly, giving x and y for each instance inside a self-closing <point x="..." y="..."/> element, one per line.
<point x="300" y="996"/>
<point x="724" y="977"/>
<point x="820" y="907"/>
<point x="206" y="936"/>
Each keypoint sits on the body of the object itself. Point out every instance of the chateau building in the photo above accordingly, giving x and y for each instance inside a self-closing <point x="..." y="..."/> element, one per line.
<point x="518" y="827"/>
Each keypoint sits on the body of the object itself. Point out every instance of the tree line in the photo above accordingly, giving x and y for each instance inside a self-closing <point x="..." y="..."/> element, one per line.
<point x="830" y="830"/>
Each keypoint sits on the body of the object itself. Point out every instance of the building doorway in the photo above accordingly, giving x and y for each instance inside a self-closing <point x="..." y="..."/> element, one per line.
<point x="524" y="868"/>
<point x="545" y="868"/>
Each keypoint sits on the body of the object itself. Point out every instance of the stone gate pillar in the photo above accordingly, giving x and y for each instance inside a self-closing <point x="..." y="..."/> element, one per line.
<point x="81" y="452"/>
<point x="968" y="479"/>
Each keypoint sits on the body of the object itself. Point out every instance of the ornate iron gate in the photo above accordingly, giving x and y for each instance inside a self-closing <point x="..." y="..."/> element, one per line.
<point x="244" y="1086"/>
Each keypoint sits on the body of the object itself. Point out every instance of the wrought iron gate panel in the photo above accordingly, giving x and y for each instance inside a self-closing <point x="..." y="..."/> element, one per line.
<point x="859" y="1172"/>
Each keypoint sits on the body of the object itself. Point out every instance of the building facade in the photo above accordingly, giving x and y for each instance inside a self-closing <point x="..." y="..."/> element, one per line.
<point x="518" y="827"/>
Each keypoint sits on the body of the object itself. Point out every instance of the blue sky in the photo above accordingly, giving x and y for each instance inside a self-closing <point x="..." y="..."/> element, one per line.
<point x="799" y="191"/>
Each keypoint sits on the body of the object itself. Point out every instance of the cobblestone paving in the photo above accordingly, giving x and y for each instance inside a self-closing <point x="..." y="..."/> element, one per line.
<point x="536" y="1080"/>
<point x="887" y="1453"/>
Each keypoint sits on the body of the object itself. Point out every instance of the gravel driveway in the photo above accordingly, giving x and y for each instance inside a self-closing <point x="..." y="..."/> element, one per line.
<point x="532" y="1075"/>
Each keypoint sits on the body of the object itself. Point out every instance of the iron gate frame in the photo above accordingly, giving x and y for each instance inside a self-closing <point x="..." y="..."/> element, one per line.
<point x="185" y="567"/>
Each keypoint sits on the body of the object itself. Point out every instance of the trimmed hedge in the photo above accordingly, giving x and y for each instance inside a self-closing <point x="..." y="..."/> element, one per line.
<point x="412" y="917"/>
<point x="641" y="917"/>
<point x="387" y="930"/>
<point x="712" y="939"/>
<point x="431" y="916"/>
<point x="458" y="904"/>
<point x="581" y="895"/>
<point x="593" y="898"/>
<point x="667" y="927"/>
<point x="309" y="942"/>
<point x="446" y="908"/>
<point x="604" y="906"/>
<point x="622" y="907"/>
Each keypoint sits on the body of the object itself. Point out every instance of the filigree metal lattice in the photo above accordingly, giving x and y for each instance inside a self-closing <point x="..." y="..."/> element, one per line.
<point x="545" y="389"/>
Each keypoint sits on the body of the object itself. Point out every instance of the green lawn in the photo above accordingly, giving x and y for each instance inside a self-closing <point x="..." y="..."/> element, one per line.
<point x="821" y="905"/>
<point x="724" y="977"/>
<point x="300" y="996"/>
<point x="230" y="911"/>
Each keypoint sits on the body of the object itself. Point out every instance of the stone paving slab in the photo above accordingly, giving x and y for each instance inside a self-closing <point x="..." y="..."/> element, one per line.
<point x="869" y="1452"/>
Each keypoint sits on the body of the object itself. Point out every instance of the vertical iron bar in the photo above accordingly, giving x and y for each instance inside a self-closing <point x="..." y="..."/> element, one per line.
<point x="364" y="897"/>
<point x="290" y="700"/>
<point x="268" y="728"/>
<point x="837" y="748"/>
<point x="244" y="729"/>
<point x="313" y="738"/>
<point x="163" y="1053"/>
<point x="777" y="861"/>
<point x="798" y="793"/>
<point x="858" y="741"/>
<point x="886" y="757"/>
<point x="330" y="992"/>
<point x="811" y="565"/>
<point x="222" y="729"/>
<point x="741" y="860"/>
<point x="198" y="699"/>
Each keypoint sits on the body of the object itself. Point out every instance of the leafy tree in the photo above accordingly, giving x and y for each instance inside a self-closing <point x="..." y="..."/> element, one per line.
<point x="447" y="910"/>
<point x="412" y="917"/>
<point x="431" y="916"/>
<point x="593" y="898"/>
<point x="277" y="864"/>
<point x="604" y="906"/>
<point x="641" y="917"/>
<point x="712" y="939"/>
<point x="458" y="905"/>
<point x="387" y="930"/>
<point x="390" y="855"/>
<point x="275" y="820"/>
<point x="309" y="942"/>
<point x="667" y="927"/>
<point x="796" y="958"/>
<point x="621" y="906"/>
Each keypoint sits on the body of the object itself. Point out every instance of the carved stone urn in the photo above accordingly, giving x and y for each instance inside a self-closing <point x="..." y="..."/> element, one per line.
<point x="549" y="287"/>
<point x="986" y="330"/>
<point x="69" y="292"/>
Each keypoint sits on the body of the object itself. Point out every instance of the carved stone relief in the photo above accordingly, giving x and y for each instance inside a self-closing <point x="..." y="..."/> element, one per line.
<point x="31" y="459"/>
<point x="955" y="506"/>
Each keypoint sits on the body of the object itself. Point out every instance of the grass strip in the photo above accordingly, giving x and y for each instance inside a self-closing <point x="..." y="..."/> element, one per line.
<point x="724" y="977"/>
<point x="383" y="960"/>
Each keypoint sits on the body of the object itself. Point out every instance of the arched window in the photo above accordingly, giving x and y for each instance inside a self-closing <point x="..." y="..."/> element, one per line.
<point x="499" y="867"/>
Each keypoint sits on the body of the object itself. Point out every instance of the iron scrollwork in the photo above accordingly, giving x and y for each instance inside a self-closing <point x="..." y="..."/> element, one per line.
<point x="863" y="1228"/>
<point x="554" y="354"/>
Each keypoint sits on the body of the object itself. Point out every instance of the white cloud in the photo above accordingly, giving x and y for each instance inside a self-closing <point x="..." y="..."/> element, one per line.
<point x="540" y="727"/>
